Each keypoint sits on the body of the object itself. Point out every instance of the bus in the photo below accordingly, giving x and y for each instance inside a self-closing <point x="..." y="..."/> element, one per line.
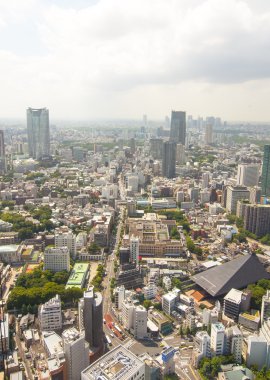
<point x="108" y="340"/>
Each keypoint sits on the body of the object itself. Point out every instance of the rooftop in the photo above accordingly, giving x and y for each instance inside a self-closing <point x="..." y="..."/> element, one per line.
<point x="118" y="364"/>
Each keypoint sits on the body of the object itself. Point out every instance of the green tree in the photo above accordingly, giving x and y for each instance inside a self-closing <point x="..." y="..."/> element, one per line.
<point x="147" y="304"/>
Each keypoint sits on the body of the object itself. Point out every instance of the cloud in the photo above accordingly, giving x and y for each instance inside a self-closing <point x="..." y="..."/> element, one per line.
<point x="116" y="48"/>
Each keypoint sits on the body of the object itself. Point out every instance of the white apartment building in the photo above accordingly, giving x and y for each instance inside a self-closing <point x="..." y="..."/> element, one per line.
<point x="169" y="301"/>
<point x="57" y="259"/>
<point x="248" y="175"/>
<point x="50" y="315"/>
<point x="117" y="364"/>
<point x="134" y="318"/>
<point x="201" y="347"/>
<point x="76" y="352"/>
<point x="140" y="322"/>
<point x="234" y="342"/>
<point x="64" y="237"/>
<point x="119" y="294"/>
<point x="209" y="316"/>
<point x="256" y="351"/>
<point x="150" y="291"/>
<point x="217" y="338"/>
<point x="265" y="310"/>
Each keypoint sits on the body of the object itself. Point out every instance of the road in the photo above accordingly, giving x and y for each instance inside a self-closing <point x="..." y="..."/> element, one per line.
<point x="22" y="353"/>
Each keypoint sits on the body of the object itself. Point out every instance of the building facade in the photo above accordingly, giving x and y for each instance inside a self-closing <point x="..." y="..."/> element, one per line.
<point x="178" y="127"/>
<point x="38" y="132"/>
<point x="50" y="315"/>
<point x="57" y="259"/>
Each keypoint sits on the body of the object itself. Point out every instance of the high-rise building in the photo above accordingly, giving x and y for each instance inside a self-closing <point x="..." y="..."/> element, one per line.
<point x="91" y="318"/>
<point x="63" y="237"/>
<point x="156" y="146"/>
<point x="180" y="154"/>
<point x="134" y="249"/>
<point x="57" y="259"/>
<point x="76" y="351"/>
<point x="119" y="363"/>
<point x="178" y="127"/>
<point x="256" y="219"/>
<point x="208" y="137"/>
<point x="201" y="347"/>
<point x="266" y="171"/>
<point x="169" y="158"/>
<point x="2" y="153"/>
<point x="265" y="310"/>
<point x="233" y="343"/>
<point x="217" y="338"/>
<point x="38" y="132"/>
<point x="134" y="318"/>
<point x="234" y="194"/>
<point x="234" y="302"/>
<point x="50" y="315"/>
<point x="248" y="175"/>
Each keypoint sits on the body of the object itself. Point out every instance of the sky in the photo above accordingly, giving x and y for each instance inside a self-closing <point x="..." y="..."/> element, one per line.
<point x="102" y="59"/>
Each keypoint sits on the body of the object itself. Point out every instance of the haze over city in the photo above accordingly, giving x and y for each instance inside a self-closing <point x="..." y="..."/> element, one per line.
<point x="120" y="59"/>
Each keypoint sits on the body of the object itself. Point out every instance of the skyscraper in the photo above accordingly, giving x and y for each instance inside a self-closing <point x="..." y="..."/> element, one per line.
<point x="248" y="175"/>
<point x="2" y="153"/>
<point x="208" y="137"/>
<point x="168" y="161"/>
<point x="266" y="171"/>
<point x="38" y="132"/>
<point x="178" y="127"/>
<point x="91" y="318"/>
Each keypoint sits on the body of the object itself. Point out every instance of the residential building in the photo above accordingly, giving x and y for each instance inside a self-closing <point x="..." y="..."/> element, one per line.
<point x="140" y="322"/>
<point x="233" y="343"/>
<point x="209" y="316"/>
<point x="217" y="339"/>
<point x="257" y="219"/>
<point x="201" y="347"/>
<point x="64" y="237"/>
<point x="134" y="249"/>
<point x="169" y="301"/>
<point x="119" y="296"/>
<point x="169" y="159"/>
<point x="265" y="309"/>
<point x="234" y="194"/>
<point x="266" y="171"/>
<point x="180" y="154"/>
<point x="38" y="131"/>
<point x="234" y="302"/>
<point x="208" y="137"/>
<point x="256" y="351"/>
<point x="248" y="175"/>
<point x="57" y="259"/>
<point x="50" y="314"/>
<point x="119" y="363"/>
<point x="150" y="291"/>
<point x="178" y="127"/>
<point x="2" y="153"/>
<point x="90" y="310"/>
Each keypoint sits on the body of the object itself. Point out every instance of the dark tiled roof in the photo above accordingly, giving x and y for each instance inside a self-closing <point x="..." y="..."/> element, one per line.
<point x="237" y="273"/>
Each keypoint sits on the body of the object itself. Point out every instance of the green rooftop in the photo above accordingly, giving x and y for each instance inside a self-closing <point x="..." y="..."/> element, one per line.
<point x="78" y="275"/>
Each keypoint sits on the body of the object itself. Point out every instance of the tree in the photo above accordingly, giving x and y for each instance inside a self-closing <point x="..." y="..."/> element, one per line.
<point x="175" y="234"/>
<point x="176" y="283"/>
<point x="94" y="248"/>
<point x="147" y="304"/>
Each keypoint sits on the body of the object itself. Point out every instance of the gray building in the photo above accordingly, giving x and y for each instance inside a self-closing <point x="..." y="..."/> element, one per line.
<point x="91" y="318"/>
<point x="178" y="127"/>
<point x="257" y="219"/>
<point x="2" y="153"/>
<point x="168" y="159"/>
<point x="38" y="131"/>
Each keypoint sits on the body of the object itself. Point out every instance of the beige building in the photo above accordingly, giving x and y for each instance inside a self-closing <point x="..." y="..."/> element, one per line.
<point x="153" y="234"/>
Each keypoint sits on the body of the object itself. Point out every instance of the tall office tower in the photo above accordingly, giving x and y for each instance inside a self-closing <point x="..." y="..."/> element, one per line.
<point x="180" y="154"/>
<point x="38" y="132"/>
<point x="76" y="351"/>
<point x="134" y="249"/>
<point x="145" y="122"/>
<point x="266" y="171"/>
<point x="91" y="318"/>
<point x="168" y="161"/>
<point x="248" y="175"/>
<point x="2" y="153"/>
<point x="178" y="127"/>
<point x="234" y="194"/>
<point x="217" y="338"/>
<point x="256" y="219"/>
<point x="205" y="180"/>
<point x="265" y="310"/>
<point x="156" y="146"/>
<point x="208" y="137"/>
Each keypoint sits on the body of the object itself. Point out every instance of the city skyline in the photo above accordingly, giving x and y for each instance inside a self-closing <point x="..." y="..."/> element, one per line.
<point x="135" y="58"/>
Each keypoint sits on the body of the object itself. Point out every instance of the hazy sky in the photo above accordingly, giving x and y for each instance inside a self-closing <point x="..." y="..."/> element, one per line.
<point x="88" y="59"/>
